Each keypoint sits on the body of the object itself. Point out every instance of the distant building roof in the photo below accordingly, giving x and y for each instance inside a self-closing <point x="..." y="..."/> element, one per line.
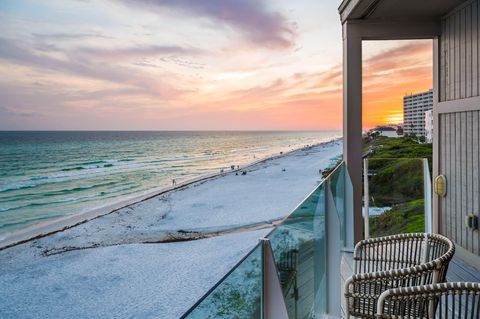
<point x="384" y="128"/>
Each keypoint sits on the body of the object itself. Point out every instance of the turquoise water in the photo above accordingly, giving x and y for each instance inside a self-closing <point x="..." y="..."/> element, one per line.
<point x="44" y="175"/>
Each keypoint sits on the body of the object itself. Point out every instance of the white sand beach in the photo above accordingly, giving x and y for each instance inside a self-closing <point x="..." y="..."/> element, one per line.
<point x="155" y="258"/>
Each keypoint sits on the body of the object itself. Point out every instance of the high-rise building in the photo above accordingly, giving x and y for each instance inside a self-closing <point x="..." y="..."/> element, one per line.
<point x="414" y="108"/>
<point x="429" y="126"/>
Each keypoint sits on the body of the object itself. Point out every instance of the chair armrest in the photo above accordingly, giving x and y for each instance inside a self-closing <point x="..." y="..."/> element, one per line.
<point x="423" y="294"/>
<point x="374" y="254"/>
<point x="386" y="279"/>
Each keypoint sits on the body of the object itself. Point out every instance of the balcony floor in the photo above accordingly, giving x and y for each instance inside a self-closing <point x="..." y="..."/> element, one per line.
<point x="346" y="270"/>
<point x="459" y="270"/>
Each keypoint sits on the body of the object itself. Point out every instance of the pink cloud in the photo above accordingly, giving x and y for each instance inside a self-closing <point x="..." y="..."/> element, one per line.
<point x="250" y="17"/>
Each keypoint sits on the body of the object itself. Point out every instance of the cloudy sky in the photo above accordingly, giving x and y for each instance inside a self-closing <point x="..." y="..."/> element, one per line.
<point x="191" y="65"/>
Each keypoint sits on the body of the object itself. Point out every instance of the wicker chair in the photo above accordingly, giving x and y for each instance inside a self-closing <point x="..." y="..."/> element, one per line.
<point x="445" y="300"/>
<point x="384" y="263"/>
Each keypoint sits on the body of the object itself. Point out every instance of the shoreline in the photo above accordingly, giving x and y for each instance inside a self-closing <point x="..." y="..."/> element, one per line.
<point x="63" y="223"/>
<point x="143" y="258"/>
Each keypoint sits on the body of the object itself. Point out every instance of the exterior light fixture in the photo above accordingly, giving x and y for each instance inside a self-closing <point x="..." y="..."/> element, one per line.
<point x="440" y="185"/>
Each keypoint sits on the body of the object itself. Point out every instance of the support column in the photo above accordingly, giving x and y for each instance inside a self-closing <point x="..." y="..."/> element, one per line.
<point x="436" y="135"/>
<point x="352" y="121"/>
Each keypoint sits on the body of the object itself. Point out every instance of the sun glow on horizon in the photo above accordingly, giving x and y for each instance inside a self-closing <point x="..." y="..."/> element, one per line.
<point x="399" y="67"/>
<point x="394" y="118"/>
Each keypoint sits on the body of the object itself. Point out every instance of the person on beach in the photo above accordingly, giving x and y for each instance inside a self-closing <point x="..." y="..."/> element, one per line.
<point x="174" y="182"/>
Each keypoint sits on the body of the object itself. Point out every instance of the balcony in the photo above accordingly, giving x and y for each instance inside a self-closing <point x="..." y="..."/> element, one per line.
<point x="299" y="269"/>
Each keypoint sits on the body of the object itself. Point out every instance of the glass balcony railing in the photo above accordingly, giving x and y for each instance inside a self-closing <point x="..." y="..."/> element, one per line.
<point x="397" y="196"/>
<point x="300" y="246"/>
<point x="340" y="184"/>
<point x="237" y="295"/>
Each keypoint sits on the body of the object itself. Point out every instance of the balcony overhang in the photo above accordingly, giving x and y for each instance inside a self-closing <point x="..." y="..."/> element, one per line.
<point x="394" y="10"/>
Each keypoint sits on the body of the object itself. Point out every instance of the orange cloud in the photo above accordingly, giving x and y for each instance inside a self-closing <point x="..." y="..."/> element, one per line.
<point x="391" y="74"/>
<point x="303" y="101"/>
<point x="127" y="98"/>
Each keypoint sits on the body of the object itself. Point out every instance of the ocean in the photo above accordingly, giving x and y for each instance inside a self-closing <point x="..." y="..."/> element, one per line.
<point x="44" y="175"/>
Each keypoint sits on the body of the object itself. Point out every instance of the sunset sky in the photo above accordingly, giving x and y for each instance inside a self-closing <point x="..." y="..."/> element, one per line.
<point x="191" y="65"/>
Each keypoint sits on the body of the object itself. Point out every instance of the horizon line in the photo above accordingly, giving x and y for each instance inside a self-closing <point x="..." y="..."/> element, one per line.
<point x="188" y="130"/>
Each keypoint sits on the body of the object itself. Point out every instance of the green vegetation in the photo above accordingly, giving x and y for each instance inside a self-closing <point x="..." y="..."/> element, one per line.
<point x="402" y="218"/>
<point x="333" y="164"/>
<point x="396" y="181"/>
<point x="387" y="147"/>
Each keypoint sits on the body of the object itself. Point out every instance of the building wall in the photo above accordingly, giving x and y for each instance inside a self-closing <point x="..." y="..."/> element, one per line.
<point x="459" y="160"/>
<point x="429" y="126"/>
<point x="459" y="53"/>
<point x="389" y="134"/>
<point x="414" y="108"/>
<point x="458" y="114"/>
